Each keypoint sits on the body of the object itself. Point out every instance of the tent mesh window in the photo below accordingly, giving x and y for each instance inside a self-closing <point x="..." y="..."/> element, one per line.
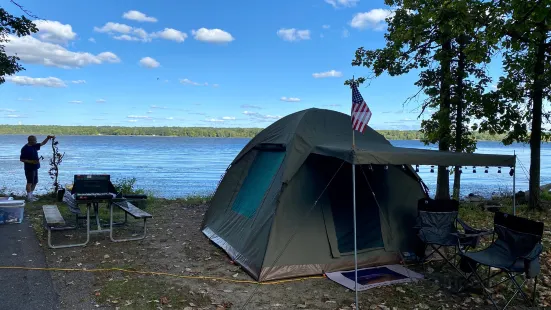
<point x="257" y="182"/>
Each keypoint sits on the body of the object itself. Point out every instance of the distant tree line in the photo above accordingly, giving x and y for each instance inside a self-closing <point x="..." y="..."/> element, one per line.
<point x="129" y="131"/>
<point x="207" y="132"/>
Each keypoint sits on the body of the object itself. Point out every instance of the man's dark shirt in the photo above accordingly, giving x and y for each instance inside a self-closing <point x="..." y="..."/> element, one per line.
<point x="30" y="153"/>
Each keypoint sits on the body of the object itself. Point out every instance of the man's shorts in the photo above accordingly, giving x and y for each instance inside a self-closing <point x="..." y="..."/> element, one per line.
<point x="32" y="176"/>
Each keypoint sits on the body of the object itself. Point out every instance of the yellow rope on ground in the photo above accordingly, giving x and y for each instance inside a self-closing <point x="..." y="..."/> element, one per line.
<point x="164" y="274"/>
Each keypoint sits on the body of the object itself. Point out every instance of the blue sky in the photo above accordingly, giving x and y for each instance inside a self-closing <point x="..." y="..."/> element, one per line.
<point x="197" y="63"/>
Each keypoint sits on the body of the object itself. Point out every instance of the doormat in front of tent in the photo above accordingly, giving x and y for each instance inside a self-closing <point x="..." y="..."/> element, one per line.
<point x="375" y="277"/>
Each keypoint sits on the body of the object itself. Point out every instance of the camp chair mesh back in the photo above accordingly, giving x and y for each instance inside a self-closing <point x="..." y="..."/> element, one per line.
<point x="437" y="227"/>
<point x="515" y="250"/>
<point x="437" y="224"/>
<point x="436" y="221"/>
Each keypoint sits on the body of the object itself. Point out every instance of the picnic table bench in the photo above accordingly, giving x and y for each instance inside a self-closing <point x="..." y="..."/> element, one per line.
<point x="135" y="212"/>
<point x="54" y="221"/>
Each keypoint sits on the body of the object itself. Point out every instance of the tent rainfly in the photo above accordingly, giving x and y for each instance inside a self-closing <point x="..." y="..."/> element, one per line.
<point x="284" y="206"/>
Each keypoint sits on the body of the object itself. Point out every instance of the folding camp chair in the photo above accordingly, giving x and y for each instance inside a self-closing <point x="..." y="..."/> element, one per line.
<point x="437" y="225"/>
<point x="515" y="251"/>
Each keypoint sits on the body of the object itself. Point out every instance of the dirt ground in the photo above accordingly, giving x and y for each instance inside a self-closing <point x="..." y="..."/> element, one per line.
<point x="176" y="246"/>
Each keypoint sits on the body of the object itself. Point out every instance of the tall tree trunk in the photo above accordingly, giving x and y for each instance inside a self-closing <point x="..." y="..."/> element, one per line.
<point x="443" y="179"/>
<point x="535" y="136"/>
<point x="459" y="117"/>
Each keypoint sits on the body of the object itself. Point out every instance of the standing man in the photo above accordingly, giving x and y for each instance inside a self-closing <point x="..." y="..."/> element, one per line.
<point x="29" y="156"/>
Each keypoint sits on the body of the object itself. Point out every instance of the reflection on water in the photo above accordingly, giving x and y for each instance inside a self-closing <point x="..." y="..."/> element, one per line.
<point x="177" y="166"/>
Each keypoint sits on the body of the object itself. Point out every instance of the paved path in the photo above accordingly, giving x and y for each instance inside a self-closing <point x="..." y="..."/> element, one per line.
<point x="22" y="289"/>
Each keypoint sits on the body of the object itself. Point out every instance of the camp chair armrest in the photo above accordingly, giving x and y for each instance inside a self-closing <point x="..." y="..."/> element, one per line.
<point x="536" y="251"/>
<point x="466" y="235"/>
<point x="470" y="230"/>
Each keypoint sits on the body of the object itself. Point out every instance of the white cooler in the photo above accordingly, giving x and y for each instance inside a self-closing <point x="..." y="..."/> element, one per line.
<point x="11" y="211"/>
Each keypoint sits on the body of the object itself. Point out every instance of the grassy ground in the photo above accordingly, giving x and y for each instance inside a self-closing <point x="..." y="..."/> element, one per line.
<point x="175" y="246"/>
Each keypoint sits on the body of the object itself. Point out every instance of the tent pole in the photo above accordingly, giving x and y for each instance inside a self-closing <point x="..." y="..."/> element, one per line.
<point x="514" y="185"/>
<point x="355" y="239"/>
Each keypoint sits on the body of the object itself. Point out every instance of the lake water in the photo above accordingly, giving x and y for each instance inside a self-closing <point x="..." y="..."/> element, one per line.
<point x="177" y="166"/>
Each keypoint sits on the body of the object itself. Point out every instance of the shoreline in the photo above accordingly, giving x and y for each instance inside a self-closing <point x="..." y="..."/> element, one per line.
<point x="228" y="137"/>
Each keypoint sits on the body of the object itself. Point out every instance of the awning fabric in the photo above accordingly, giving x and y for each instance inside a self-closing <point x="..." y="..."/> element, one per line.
<point x="326" y="132"/>
<point x="391" y="155"/>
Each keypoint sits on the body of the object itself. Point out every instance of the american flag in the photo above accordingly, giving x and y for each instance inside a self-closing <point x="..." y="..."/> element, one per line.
<point x="360" y="111"/>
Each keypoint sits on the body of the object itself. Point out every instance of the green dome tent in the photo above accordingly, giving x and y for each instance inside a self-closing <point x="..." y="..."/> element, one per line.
<point x="284" y="207"/>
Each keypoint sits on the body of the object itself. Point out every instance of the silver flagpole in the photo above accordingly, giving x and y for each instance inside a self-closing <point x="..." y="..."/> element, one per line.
<point x="355" y="239"/>
<point x="514" y="185"/>
<point x="354" y="207"/>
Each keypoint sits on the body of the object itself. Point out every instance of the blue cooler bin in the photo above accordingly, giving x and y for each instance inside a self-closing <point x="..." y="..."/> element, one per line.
<point x="11" y="211"/>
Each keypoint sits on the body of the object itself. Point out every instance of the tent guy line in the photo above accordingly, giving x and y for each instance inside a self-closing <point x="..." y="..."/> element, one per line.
<point x="161" y="274"/>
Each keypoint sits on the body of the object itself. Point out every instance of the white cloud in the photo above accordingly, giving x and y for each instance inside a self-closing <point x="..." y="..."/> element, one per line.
<point x="158" y="107"/>
<point x="92" y="40"/>
<point x="75" y="101"/>
<point x="293" y="34"/>
<point x="409" y="120"/>
<point x="212" y="35"/>
<point x="170" y="118"/>
<point x="215" y="85"/>
<point x="228" y="118"/>
<point x="190" y="82"/>
<point x="345" y="33"/>
<point x="138" y="16"/>
<point x="327" y="74"/>
<point x="54" y="31"/>
<point x="250" y="106"/>
<point x="110" y="27"/>
<point x="290" y="99"/>
<point x="101" y="101"/>
<point x="15" y="116"/>
<point x="34" y="51"/>
<point x="132" y="120"/>
<point x="149" y="62"/>
<point x="374" y="19"/>
<point x="24" y="99"/>
<point x="30" y="81"/>
<point x="214" y="120"/>
<point x="128" y="33"/>
<point x="79" y="82"/>
<point x="342" y="3"/>
<point x="261" y="117"/>
<point x="125" y="37"/>
<point x="326" y="26"/>
<point x="8" y="110"/>
<point x="139" y="116"/>
<point x="170" y="34"/>
<point x="124" y="32"/>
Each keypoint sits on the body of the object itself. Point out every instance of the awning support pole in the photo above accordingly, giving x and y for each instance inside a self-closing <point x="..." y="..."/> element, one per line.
<point x="354" y="208"/>
<point x="514" y="185"/>
<point x="355" y="239"/>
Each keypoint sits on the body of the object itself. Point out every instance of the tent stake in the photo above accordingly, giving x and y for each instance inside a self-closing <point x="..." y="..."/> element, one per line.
<point x="355" y="239"/>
